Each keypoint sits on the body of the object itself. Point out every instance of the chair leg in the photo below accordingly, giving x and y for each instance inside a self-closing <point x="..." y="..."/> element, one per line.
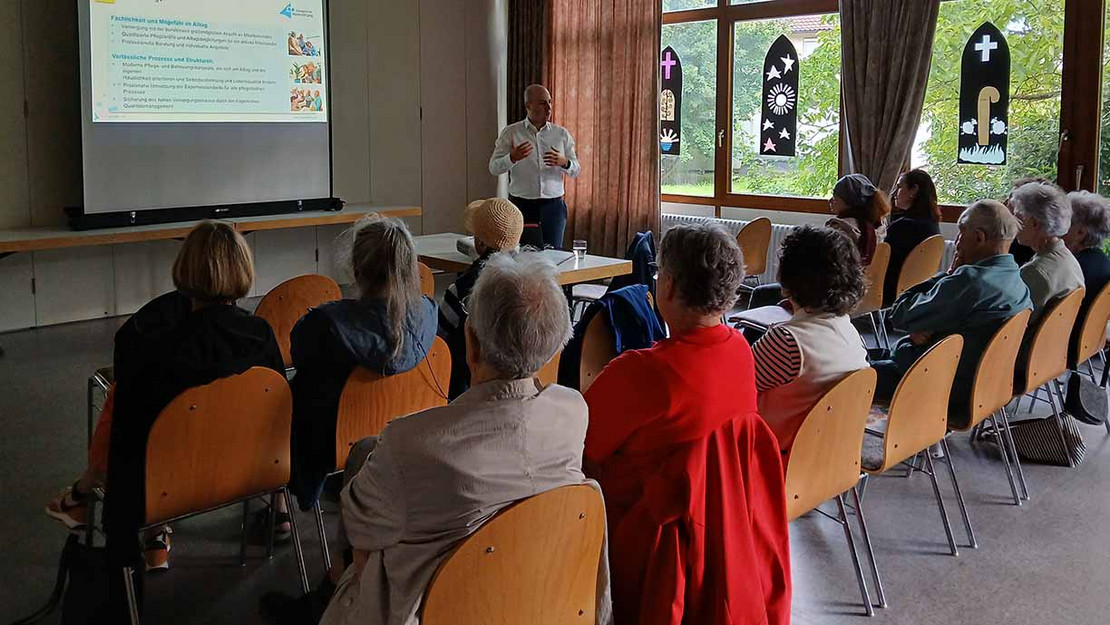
<point x="89" y="425"/>
<point x="1091" y="369"/>
<point x="1006" y="460"/>
<point x="959" y="495"/>
<point x="1009" y="439"/>
<point x="243" y="533"/>
<point x="132" y="600"/>
<point x="296" y="538"/>
<point x="882" y="328"/>
<point x="863" y="486"/>
<point x="843" y="518"/>
<point x="273" y="519"/>
<point x="875" y="329"/>
<point x="318" y="512"/>
<point x="870" y="552"/>
<point x="1059" y="418"/>
<point x="931" y="469"/>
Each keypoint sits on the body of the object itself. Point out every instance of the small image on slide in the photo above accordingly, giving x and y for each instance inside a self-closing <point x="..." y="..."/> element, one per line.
<point x="299" y="45"/>
<point x="305" y="100"/>
<point x="306" y="73"/>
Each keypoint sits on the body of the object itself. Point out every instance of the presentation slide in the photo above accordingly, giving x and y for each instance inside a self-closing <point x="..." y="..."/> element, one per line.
<point x="173" y="61"/>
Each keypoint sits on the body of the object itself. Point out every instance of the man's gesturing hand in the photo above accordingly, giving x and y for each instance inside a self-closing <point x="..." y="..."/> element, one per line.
<point x="555" y="158"/>
<point x="520" y="152"/>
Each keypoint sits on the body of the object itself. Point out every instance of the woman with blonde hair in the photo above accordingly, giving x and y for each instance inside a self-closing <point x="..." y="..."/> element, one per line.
<point x="186" y="338"/>
<point x="389" y="328"/>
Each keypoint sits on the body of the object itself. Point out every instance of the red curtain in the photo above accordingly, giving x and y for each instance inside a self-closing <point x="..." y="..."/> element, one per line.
<point x="603" y="74"/>
<point x="529" y="50"/>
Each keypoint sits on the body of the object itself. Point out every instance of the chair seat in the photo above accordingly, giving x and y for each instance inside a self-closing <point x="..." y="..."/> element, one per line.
<point x="588" y="292"/>
<point x="762" y="318"/>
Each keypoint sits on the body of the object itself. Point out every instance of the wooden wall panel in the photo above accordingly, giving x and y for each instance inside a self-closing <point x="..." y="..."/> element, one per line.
<point x="350" y="112"/>
<point x="18" y="308"/>
<point x="13" y="125"/>
<point x="283" y="254"/>
<point x="73" y="284"/>
<point x="141" y="272"/>
<point x="54" y="105"/>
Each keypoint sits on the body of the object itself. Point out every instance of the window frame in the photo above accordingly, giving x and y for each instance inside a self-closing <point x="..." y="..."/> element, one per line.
<point x="1080" y="101"/>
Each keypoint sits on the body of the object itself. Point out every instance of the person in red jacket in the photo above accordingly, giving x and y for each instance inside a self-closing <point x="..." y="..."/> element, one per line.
<point x="692" y="475"/>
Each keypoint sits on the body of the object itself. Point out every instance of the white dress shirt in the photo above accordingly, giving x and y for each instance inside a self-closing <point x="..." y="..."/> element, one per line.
<point x="529" y="178"/>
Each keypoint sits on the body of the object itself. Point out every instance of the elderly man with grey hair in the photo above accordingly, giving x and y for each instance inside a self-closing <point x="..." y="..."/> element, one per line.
<point x="1045" y="216"/>
<point x="974" y="298"/>
<point x="433" y="478"/>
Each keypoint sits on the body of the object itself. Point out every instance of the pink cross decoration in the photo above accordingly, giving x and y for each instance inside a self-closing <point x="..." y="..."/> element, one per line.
<point x="668" y="63"/>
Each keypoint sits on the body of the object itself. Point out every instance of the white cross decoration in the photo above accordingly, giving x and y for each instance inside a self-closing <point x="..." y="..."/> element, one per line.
<point x="985" y="46"/>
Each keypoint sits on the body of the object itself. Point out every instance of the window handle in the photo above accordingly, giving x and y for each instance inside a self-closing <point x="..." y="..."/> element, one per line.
<point x="720" y="138"/>
<point x="1078" y="177"/>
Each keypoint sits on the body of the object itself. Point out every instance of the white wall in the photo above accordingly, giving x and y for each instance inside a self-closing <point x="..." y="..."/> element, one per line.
<point x="389" y="60"/>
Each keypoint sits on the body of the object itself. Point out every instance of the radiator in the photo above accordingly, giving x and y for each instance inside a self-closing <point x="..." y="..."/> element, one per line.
<point x="778" y="233"/>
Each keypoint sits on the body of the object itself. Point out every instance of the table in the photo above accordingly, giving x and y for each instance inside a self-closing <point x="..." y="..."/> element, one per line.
<point x="59" y="237"/>
<point x="438" y="251"/>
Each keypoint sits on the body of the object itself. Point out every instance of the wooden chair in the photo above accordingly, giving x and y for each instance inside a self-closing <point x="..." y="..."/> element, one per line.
<point x="872" y="301"/>
<point x="918" y="419"/>
<point x="217" y="445"/>
<point x="370" y="401"/>
<point x="754" y="240"/>
<point x="993" y="388"/>
<point x="427" y="281"/>
<point x="550" y="373"/>
<point x="1091" y="339"/>
<point x="287" y="302"/>
<point x="824" y="461"/>
<point x="599" y="348"/>
<point x="1047" y="361"/>
<point x="922" y="263"/>
<point x="535" y="562"/>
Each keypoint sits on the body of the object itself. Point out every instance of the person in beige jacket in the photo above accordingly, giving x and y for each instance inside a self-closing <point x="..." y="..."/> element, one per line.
<point x="435" y="477"/>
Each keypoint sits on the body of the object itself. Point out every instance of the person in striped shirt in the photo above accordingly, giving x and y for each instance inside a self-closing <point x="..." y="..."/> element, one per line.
<point x="497" y="225"/>
<point x="796" y="362"/>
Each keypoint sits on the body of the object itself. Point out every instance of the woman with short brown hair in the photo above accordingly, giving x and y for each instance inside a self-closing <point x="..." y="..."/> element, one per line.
<point x="185" y="338"/>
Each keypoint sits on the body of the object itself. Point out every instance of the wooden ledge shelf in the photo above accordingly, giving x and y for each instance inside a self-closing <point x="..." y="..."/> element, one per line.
<point x="57" y="237"/>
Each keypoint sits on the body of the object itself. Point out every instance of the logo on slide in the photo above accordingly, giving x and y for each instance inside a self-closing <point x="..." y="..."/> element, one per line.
<point x="287" y="11"/>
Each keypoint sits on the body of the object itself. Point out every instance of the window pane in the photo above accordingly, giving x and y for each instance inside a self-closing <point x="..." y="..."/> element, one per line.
<point x="1034" y="30"/>
<point x="813" y="171"/>
<point x="691" y="172"/>
<point x="682" y="5"/>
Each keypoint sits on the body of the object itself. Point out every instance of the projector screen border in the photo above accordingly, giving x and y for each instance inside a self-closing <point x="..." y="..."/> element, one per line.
<point x="78" y="220"/>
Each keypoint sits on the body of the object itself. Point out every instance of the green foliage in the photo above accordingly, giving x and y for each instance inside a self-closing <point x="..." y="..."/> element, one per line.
<point x="1034" y="31"/>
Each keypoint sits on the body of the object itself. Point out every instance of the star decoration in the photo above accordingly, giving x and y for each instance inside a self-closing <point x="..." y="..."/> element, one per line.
<point x="768" y="125"/>
<point x="788" y="64"/>
<point x="774" y="73"/>
<point x="785" y="134"/>
<point x="769" y="146"/>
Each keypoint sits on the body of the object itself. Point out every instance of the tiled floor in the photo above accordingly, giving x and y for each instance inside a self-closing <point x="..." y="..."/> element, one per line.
<point x="1045" y="563"/>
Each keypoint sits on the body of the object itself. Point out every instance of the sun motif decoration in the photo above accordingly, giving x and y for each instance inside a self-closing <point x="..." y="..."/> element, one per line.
<point x="781" y="99"/>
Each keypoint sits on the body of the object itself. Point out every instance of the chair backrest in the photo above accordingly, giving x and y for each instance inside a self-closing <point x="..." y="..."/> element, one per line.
<point x="219" y="443"/>
<point x="1092" y="335"/>
<point x="427" y="280"/>
<point x="369" y="400"/>
<point x="919" y="409"/>
<point x="922" y="263"/>
<point x="287" y="302"/>
<point x="536" y="562"/>
<point x="1048" y="353"/>
<point x="825" y="458"/>
<point x="874" y="273"/>
<point x="993" y="387"/>
<point x="599" y="348"/>
<point x="550" y="372"/>
<point x="754" y="240"/>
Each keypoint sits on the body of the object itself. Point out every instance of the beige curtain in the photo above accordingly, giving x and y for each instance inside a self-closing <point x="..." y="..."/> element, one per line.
<point x="603" y="80"/>
<point x="887" y="50"/>
<point x="529" y="50"/>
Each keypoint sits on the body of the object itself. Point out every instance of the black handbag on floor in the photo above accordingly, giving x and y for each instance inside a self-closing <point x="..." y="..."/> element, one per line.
<point x="81" y="587"/>
<point x="1086" y="401"/>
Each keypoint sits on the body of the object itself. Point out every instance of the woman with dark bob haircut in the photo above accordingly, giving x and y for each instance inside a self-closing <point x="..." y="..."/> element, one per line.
<point x="796" y="362"/>
<point x="916" y="217"/>
<point x="692" y="476"/>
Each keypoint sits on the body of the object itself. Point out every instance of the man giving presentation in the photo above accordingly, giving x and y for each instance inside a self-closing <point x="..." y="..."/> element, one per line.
<point x="537" y="154"/>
